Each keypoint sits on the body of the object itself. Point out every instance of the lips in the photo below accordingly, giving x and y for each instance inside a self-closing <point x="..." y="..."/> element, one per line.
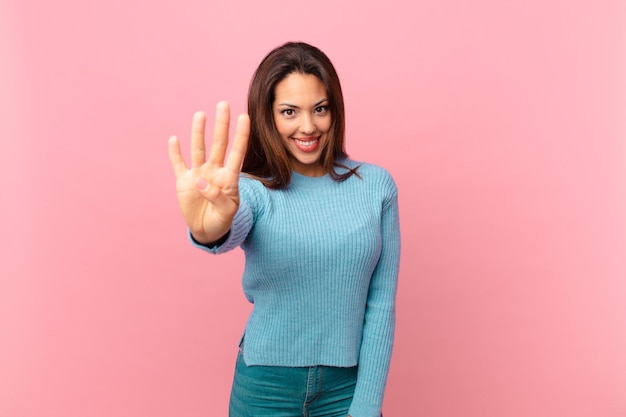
<point x="307" y="144"/>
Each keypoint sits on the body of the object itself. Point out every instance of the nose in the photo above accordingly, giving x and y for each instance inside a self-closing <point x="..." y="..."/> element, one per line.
<point x="307" y="127"/>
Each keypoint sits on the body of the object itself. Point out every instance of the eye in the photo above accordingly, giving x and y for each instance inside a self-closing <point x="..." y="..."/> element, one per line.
<point x="288" y="112"/>
<point x="321" y="109"/>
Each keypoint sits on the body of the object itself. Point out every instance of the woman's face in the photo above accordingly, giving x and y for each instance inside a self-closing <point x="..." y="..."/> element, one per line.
<point x="302" y="118"/>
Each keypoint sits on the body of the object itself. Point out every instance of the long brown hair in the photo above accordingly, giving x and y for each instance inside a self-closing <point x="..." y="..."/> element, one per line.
<point x="266" y="157"/>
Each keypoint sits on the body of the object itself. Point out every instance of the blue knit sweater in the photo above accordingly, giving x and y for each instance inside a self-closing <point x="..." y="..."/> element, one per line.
<point x="321" y="269"/>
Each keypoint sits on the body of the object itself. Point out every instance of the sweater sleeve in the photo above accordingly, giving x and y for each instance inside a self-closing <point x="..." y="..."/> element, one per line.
<point x="380" y="317"/>
<point x="242" y="222"/>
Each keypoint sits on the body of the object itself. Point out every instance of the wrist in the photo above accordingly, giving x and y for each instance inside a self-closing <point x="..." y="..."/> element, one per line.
<point x="209" y="242"/>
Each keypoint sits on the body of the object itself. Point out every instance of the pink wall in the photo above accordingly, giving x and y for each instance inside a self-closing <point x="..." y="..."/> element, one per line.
<point x="503" y="123"/>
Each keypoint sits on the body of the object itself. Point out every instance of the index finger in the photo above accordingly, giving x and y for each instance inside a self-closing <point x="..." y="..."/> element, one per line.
<point x="240" y="144"/>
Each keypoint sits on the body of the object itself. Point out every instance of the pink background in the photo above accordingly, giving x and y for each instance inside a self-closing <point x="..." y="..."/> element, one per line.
<point x="503" y="122"/>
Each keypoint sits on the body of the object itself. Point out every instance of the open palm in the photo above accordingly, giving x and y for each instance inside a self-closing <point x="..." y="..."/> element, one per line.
<point x="208" y="192"/>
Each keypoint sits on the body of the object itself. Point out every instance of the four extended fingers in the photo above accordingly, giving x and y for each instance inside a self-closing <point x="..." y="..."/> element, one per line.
<point x="219" y="144"/>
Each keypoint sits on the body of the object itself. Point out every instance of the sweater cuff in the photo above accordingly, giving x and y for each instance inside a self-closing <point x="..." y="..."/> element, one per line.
<point x="360" y="409"/>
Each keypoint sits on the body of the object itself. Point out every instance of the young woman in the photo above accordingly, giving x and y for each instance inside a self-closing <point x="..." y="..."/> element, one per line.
<point x="321" y="239"/>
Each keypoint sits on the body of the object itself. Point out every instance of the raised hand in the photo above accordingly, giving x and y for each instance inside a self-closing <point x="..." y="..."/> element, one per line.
<point x="208" y="192"/>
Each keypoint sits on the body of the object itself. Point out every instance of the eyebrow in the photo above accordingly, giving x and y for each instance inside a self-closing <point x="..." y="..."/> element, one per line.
<point x="297" y="107"/>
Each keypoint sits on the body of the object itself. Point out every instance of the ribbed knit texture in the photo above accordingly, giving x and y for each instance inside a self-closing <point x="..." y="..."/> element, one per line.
<point x="321" y="268"/>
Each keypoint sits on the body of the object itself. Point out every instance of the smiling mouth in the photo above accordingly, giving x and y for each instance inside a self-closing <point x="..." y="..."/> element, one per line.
<point x="306" y="142"/>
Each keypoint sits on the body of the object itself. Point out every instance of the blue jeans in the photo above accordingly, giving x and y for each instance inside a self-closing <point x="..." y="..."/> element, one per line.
<point x="276" y="391"/>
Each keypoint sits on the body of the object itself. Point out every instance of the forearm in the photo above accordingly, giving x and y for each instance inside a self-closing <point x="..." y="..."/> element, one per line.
<point x="379" y="323"/>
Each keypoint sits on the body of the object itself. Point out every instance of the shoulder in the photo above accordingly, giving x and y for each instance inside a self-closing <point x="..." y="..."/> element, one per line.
<point x="252" y="191"/>
<point x="373" y="175"/>
<point x="250" y="181"/>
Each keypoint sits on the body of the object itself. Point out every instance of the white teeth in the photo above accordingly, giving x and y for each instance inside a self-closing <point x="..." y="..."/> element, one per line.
<point x="307" y="143"/>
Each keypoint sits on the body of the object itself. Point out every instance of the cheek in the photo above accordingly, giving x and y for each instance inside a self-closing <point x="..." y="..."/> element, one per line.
<point x="283" y="129"/>
<point x="326" y="125"/>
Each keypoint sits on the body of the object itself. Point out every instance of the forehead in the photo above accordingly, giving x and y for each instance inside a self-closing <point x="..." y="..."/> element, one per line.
<point x="300" y="87"/>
